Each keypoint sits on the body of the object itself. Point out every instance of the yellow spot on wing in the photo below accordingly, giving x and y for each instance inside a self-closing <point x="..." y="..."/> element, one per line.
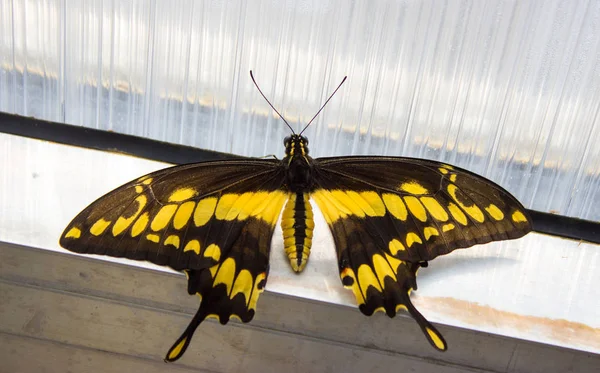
<point x="473" y="210"/>
<point x="224" y="206"/>
<point x="435" y="209"/>
<point x="99" y="227"/>
<point x="256" y="290"/>
<point x="443" y="170"/>
<point x="213" y="251"/>
<point x="163" y="217"/>
<point x="395" y="246"/>
<point x="153" y="238"/>
<point x="204" y="211"/>
<point x="447" y="227"/>
<point x="416" y="208"/>
<point x="339" y="204"/>
<point x="140" y="224"/>
<point x="339" y="207"/>
<point x="73" y="233"/>
<point x="411" y="238"/>
<point x="139" y="189"/>
<point x="361" y="202"/>
<point x="495" y="212"/>
<point x="192" y="245"/>
<point x="257" y="205"/>
<point x="182" y="194"/>
<point x="183" y="214"/>
<point x="330" y="212"/>
<point x="401" y="307"/>
<point x="243" y="284"/>
<point x="347" y="272"/>
<point x="395" y="206"/>
<point x="457" y="213"/>
<point x="453" y="178"/>
<point x="345" y="203"/>
<point x="394" y="263"/>
<point x="436" y="339"/>
<point x="413" y="187"/>
<point x="225" y="274"/>
<point x="123" y="223"/>
<point x="375" y="202"/>
<point x="430" y="231"/>
<point x="275" y="203"/>
<point x="367" y="278"/>
<point x="213" y="270"/>
<point x="172" y="240"/>
<point x="238" y="209"/>
<point x="382" y="268"/>
<point x="262" y="205"/>
<point x="147" y="181"/>
<point x="176" y="349"/>
<point x="251" y="203"/>
<point x="518" y="217"/>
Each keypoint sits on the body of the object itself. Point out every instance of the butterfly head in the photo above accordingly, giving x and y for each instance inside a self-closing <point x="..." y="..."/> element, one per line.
<point x="296" y="145"/>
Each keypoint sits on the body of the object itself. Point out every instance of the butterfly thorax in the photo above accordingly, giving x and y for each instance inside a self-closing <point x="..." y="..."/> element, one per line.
<point x="297" y="218"/>
<point x="298" y="165"/>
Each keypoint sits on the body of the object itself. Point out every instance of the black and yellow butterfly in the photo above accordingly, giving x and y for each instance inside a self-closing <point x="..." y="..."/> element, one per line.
<point x="215" y="220"/>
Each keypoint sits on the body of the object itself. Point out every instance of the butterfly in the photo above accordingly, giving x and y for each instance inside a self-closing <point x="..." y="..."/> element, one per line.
<point x="214" y="220"/>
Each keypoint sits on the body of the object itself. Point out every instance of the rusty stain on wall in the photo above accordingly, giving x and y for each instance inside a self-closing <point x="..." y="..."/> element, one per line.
<point x="562" y="331"/>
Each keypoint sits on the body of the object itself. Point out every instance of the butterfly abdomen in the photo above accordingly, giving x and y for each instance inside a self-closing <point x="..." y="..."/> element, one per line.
<point x="297" y="224"/>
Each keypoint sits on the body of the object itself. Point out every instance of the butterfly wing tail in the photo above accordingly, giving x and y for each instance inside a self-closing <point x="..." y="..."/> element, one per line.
<point x="431" y="333"/>
<point x="178" y="349"/>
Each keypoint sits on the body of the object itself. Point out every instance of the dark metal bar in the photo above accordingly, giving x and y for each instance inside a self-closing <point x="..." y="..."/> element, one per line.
<point x="565" y="226"/>
<point x="108" y="141"/>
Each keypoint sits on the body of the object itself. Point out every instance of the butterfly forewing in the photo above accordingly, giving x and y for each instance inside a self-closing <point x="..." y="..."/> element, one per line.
<point x="179" y="216"/>
<point x="416" y="208"/>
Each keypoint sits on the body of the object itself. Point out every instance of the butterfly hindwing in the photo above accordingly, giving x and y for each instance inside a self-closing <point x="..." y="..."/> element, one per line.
<point x="231" y="288"/>
<point x="389" y="216"/>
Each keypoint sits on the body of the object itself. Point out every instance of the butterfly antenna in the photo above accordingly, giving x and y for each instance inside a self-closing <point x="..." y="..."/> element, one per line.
<point x="313" y="118"/>
<point x="271" y="105"/>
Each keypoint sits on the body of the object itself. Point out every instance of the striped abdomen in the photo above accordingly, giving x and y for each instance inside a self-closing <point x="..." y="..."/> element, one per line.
<point x="297" y="224"/>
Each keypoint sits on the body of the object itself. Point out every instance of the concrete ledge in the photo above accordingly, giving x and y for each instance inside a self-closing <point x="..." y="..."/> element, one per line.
<point x="98" y="315"/>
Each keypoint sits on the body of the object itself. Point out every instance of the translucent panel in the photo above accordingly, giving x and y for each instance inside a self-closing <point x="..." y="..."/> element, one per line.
<point x="507" y="89"/>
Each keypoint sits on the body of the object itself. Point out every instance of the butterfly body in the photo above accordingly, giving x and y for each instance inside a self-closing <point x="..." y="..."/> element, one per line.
<point x="297" y="221"/>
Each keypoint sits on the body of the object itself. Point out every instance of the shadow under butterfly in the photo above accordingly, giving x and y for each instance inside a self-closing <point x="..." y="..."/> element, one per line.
<point x="214" y="220"/>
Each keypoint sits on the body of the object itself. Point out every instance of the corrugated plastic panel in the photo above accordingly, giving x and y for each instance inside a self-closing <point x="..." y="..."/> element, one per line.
<point x="507" y="89"/>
